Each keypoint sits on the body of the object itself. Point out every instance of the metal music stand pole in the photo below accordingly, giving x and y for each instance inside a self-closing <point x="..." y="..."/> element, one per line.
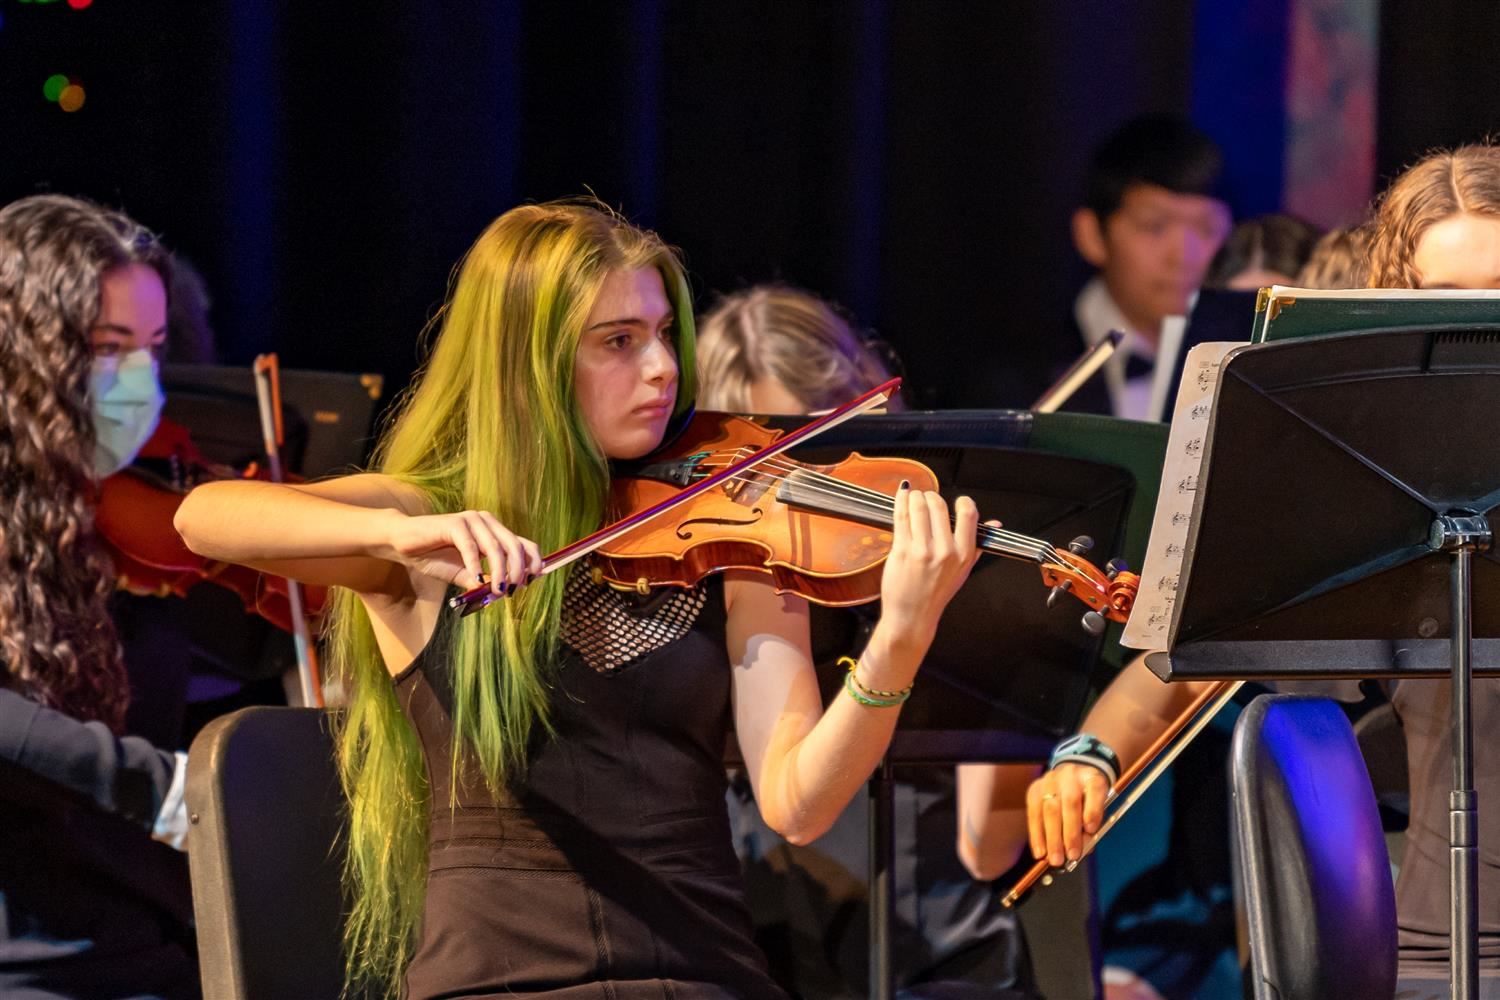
<point x="882" y="841"/>
<point x="1463" y="535"/>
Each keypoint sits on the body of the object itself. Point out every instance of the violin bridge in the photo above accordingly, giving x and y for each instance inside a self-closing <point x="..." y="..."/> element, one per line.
<point x="678" y="472"/>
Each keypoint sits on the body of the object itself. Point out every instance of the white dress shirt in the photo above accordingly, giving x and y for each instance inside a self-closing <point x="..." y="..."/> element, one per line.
<point x="1096" y="314"/>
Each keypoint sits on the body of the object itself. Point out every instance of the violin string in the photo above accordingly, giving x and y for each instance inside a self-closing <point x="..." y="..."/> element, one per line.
<point x="849" y="490"/>
<point x="875" y="502"/>
<point x="833" y="482"/>
<point x="818" y="482"/>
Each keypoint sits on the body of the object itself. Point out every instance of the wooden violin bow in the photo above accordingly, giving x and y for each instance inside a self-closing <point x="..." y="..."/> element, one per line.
<point x="268" y="395"/>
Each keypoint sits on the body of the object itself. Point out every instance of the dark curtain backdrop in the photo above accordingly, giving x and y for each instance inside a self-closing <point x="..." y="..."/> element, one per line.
<point x="325" y="165"/>
<point x="1439" y="78"/>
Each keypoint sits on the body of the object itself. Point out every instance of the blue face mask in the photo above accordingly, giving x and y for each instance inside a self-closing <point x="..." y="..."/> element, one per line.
<point x="127" y="402"/>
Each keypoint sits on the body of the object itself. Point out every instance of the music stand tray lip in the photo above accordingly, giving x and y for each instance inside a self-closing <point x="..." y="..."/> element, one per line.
<point x="1319" y="660"/>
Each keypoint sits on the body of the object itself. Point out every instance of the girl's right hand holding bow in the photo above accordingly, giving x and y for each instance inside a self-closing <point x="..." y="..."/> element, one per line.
<point x="465" y="549"/>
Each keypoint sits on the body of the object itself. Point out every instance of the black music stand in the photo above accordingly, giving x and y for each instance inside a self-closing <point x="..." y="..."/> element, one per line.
<point x="1347" y="482"/>
<point x="1007" y="676"/>
<point x="328" y="415"/>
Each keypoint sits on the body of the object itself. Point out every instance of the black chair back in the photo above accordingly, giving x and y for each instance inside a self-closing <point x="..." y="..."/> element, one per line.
<point x="1311" y="870"/>
<point x="266" y="852"/>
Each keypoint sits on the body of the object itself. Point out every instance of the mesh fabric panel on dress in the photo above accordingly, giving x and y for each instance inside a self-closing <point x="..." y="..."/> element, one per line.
<point x="611" y="628"/>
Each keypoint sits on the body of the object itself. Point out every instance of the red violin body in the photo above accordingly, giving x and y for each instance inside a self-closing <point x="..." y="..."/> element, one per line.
<point x="134" y="516"/>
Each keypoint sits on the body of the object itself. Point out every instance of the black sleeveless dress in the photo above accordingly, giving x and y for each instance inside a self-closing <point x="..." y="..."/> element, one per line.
<point x="607" y="870"/>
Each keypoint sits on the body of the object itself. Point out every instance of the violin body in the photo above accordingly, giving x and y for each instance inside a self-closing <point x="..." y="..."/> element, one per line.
<point x="134" y="516"/>
<point x="826" y="558"/>
<point x="822" y="532"/>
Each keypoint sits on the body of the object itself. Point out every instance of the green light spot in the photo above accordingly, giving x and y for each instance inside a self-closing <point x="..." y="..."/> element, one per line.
<point x="53" y="88"/>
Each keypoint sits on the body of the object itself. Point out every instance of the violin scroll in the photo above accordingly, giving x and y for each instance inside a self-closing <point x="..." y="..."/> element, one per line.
<point x="1109" y="593"/>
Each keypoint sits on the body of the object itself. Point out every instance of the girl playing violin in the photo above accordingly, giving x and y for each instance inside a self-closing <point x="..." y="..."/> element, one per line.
<point x="536" y="791"/>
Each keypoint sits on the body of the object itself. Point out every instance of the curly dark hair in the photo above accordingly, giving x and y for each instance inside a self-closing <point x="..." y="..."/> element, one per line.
<point x="57" y="643"/>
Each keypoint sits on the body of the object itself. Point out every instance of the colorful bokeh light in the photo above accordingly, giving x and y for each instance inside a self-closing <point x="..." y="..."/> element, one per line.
<point x="71" y="98"/>
<point x="79" y="4"/>
<point x="54" y="86"/>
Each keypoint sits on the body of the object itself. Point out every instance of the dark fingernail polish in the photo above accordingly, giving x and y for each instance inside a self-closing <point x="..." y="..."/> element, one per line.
<point x="906" y="484"/>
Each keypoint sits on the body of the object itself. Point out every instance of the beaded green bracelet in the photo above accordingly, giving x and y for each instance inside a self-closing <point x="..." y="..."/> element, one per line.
<point x="850" y="686"/>
<point x="869" y="696"/>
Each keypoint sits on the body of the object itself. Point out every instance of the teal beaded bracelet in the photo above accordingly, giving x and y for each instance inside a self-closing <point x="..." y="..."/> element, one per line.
<point x="867" y="696"/>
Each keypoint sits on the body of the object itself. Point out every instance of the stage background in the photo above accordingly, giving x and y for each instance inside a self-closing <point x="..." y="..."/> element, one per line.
<point x="325" y="164"/>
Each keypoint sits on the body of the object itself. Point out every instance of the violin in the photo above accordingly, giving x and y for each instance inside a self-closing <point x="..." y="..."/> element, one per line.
<point x="722" y="495"/>
<point x="134" y="518"/>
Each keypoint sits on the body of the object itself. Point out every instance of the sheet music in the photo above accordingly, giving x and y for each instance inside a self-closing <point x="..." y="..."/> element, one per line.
<point x="1152" y="615"/>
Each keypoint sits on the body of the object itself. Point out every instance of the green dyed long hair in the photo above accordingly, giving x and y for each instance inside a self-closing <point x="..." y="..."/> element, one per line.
<point x="492" y="423"/>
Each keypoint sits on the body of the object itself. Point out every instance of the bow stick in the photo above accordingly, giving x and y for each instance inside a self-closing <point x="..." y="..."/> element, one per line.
<point x="1193" y="720"/>
<point x="267" y="371"/>
<point x="1077" y="374"/>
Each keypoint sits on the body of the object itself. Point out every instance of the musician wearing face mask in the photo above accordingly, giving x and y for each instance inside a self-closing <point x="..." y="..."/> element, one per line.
<point x="144" y="463"/>
<point x="88" y="905"/>
<point x="127" y="340"/>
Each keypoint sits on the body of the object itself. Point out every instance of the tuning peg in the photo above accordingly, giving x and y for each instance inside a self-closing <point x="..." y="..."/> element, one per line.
<point x="1115" y="567"/>
<point x="1080" y="545"/>
<point x="1094" y="623"/>
<point x="1055" y="594"/>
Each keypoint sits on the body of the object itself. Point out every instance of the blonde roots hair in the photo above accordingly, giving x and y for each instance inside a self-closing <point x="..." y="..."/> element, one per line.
<point x="1340" y="259"/>
<point x="786" y="334"/>
<point x="1464" y="181"/>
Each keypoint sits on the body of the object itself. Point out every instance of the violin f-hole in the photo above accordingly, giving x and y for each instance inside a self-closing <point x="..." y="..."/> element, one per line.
<point x="686" y="535"/>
